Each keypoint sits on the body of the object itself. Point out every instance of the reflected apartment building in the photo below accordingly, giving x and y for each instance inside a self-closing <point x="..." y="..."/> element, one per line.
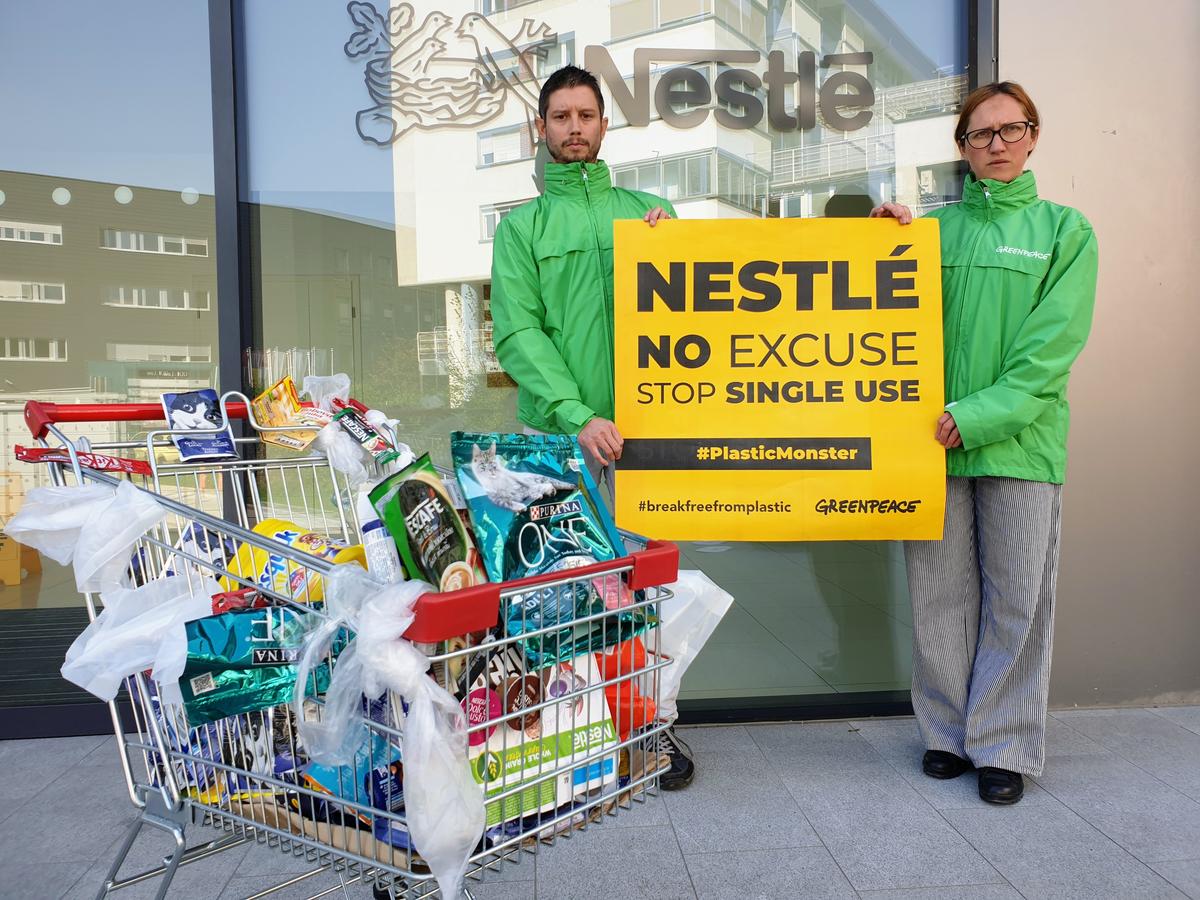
<point x="453" y="185"/>
<point x="108" y="295"/>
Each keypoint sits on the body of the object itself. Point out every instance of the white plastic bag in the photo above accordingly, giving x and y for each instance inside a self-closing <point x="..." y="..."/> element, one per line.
<point x="324" y="389"/>
<point x="139" y="628"/>
<point x="345" y="454"/>
<point x="93" y="525"/>
<point x="686" y="622"/>
<point x="443" y="804"/>
<point x="51" y="518"/>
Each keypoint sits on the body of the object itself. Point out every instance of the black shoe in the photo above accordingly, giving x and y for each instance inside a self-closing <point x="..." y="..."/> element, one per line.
<point x="1000" y="786"/>
<point x="682" y="769"/>
<point x="940" y="764"/>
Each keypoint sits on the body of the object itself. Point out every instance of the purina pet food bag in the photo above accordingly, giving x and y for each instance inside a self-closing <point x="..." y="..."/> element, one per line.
<point x="536" y="510"/>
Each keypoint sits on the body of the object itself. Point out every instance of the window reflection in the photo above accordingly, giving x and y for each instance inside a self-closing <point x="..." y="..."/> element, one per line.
<point x="107" y="247"/>
<point x="374" y="259"/>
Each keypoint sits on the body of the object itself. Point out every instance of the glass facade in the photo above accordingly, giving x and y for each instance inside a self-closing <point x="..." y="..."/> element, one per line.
<point x="382" y="145"/>
<point x="107" y="260"/>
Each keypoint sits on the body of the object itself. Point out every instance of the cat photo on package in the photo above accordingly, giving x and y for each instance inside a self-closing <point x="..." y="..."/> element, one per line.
<point x="199" y="412"/>
<point x="509" y="488"/>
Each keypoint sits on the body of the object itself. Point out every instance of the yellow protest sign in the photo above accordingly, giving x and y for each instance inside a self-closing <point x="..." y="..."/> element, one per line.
<point x="779" y="379"/>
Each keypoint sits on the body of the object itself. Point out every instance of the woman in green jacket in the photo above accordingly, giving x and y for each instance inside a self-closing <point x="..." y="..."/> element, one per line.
<point x="1018" y="288"/>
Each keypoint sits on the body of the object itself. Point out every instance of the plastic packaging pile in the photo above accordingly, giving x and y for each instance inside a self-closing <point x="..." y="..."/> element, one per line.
<point x="273" y="637"/>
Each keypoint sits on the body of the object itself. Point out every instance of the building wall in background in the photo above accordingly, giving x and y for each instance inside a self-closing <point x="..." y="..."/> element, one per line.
<point x="1119" y="142"/>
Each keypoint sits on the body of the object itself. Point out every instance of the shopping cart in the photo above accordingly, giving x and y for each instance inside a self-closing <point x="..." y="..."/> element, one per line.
<point x="555" y="746"/>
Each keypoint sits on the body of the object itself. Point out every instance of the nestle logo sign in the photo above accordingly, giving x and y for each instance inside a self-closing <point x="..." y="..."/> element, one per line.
<point x="423" y="73"/>
<point x="844" y="97"/>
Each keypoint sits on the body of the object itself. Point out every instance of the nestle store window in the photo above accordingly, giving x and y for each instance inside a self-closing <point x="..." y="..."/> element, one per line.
<point x="426" y="184"/>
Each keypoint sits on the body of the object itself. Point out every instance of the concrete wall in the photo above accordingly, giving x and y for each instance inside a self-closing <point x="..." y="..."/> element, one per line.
<point x="1116" y="87"/>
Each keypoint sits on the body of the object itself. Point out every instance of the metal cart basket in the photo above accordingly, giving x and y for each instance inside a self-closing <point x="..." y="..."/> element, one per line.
<point x="557" y="742"/>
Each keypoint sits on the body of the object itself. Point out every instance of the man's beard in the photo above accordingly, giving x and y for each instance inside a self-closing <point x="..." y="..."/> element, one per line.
<point x="560" y="153"/>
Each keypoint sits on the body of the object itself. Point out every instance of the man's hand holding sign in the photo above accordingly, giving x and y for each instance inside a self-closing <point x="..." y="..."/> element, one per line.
<point x="777" y="379"/>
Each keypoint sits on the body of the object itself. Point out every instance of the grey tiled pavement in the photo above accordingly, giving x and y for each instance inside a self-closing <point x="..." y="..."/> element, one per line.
<point x="828" y="809"/>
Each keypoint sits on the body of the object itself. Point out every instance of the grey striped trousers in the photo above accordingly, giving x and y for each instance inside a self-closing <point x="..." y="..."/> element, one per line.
<point x="983" y="621"/>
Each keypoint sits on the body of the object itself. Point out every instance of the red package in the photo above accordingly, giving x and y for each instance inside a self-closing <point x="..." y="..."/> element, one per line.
<point x="628" y="708"/>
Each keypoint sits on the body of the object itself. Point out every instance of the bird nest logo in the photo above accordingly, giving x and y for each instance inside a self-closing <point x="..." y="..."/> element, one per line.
<point x="421" y="76"/>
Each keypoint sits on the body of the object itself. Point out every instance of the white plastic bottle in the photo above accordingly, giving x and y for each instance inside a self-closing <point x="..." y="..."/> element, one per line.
<point x="383" y="560"/>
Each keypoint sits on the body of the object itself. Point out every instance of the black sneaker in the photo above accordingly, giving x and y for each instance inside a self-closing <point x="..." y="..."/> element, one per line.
<point x="682" y="769"/>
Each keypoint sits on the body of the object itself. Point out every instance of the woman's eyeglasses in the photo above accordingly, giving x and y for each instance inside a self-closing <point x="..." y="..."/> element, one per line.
<point x="982" y="138"/>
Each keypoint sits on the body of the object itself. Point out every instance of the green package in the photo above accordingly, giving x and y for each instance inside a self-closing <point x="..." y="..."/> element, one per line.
<point x="243" y="661"/>
<point x="433" y="541"/>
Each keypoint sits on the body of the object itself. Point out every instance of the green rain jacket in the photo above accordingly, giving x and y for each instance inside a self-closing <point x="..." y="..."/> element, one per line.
<point x="552" y="294"/>
<point x="1018" y="288"/>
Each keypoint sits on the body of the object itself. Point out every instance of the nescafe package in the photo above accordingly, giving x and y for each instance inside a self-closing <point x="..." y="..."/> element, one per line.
<point x="433" y="541"/>
<point x="536" y="510"/>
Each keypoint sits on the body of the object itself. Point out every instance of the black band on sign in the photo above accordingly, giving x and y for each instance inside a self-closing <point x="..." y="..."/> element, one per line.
<point x="672" y="454"/>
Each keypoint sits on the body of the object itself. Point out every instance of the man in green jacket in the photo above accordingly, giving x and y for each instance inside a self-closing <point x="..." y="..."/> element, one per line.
<point x="552" y="293"/>
<point x="552" y="274"/>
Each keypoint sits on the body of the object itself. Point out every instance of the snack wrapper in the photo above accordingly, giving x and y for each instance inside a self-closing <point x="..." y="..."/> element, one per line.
<point x="273" y="572"/>
<point x="352" y="422"/>
<point x="279" y="405"/>
<point x="375" y="778"/>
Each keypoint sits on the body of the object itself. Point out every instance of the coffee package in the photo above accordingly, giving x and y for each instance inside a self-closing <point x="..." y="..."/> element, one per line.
<point x="434" y="542"/>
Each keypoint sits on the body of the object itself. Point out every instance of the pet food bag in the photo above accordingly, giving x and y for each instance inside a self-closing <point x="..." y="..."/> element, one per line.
<point x="243" y="661"/>
<point x="536" y="510"/>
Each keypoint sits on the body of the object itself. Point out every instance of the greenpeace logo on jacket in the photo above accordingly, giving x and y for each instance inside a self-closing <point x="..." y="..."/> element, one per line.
<point x="1019" y="252"/>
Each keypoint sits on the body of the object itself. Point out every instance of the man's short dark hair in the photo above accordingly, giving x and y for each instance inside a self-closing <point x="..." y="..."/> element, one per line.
<point x="568" y="77"/>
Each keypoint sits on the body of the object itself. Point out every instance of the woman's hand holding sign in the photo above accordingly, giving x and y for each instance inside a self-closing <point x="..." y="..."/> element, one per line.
<point x="897" y="211"/>
<point x="947" y="432"/>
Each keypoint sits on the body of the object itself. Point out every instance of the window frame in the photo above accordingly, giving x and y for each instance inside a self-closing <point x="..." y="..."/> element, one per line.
<point x="18" y="349"/>
<point x="35" y="287"/>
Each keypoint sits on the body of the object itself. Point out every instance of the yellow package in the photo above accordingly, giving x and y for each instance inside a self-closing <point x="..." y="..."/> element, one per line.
<point x="280" y="405"/>
<point x="276" y="573"/>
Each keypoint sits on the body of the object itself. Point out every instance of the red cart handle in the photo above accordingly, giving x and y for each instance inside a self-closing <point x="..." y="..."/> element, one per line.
<point x="39" y="415"/>
<point x="440" y="617"/>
